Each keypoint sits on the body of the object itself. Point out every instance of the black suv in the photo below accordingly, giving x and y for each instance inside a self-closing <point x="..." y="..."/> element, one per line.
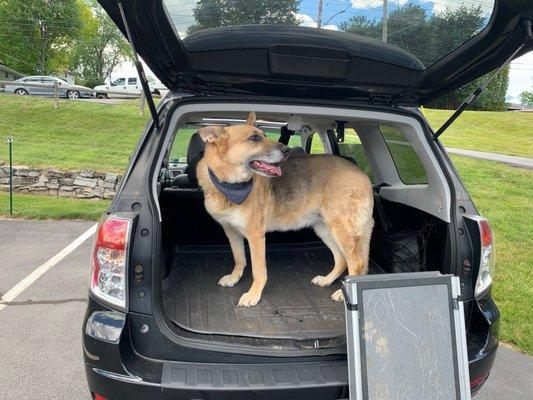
<point x="158" y="325"/>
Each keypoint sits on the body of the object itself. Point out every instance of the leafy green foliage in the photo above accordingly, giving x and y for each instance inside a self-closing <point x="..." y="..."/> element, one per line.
<point x="431" y="38"/>
<point x="99" y="48"/>
<point x="215" y="13"/>
<point x="427" y="37"/>
<point x="35" y="33"/>
<point x="526" y="98"/>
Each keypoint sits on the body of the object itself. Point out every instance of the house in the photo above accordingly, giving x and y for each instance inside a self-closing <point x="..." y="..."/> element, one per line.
<point x="8" y="74"/>
<point x="68" y="76"/>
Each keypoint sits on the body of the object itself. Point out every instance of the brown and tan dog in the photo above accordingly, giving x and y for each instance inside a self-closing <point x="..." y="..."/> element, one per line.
<point x="324" y="192"/>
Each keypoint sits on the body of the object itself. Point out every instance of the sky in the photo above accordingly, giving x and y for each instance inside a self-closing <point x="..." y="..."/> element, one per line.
<point x="335" y="11"/>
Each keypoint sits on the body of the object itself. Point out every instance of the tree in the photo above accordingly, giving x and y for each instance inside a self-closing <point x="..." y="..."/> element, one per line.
<point x="99" y="48"/>
<point x="362" y="25"/>
<point x="526" y="98"/>
<point x="430" y="38"/>
<point x="35" y="33"/>
<point x="215" y="13"/>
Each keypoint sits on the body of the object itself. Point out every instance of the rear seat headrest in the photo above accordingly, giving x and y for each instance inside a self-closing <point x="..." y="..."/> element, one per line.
<point x="195" y="152"/>
<point x="296" y="150"/>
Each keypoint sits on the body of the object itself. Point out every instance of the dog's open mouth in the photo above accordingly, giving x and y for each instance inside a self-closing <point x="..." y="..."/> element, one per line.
<point x="270" y="169"/>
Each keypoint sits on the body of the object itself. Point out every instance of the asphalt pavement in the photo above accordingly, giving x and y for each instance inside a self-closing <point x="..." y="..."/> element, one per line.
<point x="40" y="330"/>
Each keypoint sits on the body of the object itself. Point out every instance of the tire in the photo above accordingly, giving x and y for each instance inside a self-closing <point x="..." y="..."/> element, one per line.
<point x="102" y="96"/>
<point x="21" y="92"/>
<point x="73" y="95"/>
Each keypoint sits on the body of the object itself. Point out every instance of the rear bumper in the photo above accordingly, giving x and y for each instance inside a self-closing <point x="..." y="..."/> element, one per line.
<point x="186" y="381"/>
<point x="116" y="371"/>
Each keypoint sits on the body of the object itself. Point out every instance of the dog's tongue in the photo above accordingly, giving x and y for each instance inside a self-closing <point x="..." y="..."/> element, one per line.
<point x="268" y="168"/>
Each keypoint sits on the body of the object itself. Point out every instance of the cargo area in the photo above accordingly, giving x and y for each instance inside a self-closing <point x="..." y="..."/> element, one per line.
<point x="293" y="313"/>
<point x="410" y="234"/>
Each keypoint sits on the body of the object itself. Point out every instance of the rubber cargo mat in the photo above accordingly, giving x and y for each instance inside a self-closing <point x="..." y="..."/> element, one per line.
<point x="291" y="306"/>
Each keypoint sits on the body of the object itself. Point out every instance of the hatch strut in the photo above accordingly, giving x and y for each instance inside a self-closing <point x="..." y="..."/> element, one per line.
<point x="527" y="26"/>
<point x="140" y="69"/>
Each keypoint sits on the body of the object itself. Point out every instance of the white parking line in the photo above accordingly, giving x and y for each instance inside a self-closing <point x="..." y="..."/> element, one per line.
<point x="38" y="272"/>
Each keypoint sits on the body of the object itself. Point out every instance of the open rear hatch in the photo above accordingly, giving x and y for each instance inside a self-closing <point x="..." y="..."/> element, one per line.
<point x="298" y="61"/>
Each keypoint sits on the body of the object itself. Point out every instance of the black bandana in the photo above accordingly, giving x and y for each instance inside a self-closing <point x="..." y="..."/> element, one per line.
<point x="237" y="193"/>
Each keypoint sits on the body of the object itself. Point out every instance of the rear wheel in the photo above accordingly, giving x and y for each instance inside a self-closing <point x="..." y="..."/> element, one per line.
<point x="21" y="92"/>
<point x="73" y="94"/>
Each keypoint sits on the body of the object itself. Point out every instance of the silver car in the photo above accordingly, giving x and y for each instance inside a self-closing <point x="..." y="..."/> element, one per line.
<point x="24" y="86"/>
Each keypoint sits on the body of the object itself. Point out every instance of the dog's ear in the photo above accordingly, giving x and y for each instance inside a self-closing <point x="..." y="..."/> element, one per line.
<point x="251" y="118"/>
<point x="211" y="134"/>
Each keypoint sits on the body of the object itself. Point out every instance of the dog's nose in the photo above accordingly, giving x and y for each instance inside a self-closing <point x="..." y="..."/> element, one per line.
<point x="285" y="149"/>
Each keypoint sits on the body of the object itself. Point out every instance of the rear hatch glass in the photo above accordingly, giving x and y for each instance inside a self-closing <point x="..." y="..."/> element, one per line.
<point x="427" y="29"/>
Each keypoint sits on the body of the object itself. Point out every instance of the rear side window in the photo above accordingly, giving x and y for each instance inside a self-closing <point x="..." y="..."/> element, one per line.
<point x="314" y="144"/>
<point x="352" y="150"/>
<point x="408" y="164"/>
<point x="178" y="151"/>
<point x="132" y="81"/>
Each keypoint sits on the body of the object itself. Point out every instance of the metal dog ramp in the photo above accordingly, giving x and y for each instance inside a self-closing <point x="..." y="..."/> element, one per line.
<point x="406" y="337"/>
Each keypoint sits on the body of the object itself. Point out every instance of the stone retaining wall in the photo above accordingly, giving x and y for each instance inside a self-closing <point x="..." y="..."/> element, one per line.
<point x="52" y="182"/>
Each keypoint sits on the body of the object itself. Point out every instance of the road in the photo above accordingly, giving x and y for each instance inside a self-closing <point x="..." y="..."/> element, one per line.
<point x="40" y="330"/>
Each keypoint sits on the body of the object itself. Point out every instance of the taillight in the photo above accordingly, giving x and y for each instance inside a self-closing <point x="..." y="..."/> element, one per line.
<point x="478" y="381"/>
<point x="110" y="258"/>
<point x="486" y="259"/>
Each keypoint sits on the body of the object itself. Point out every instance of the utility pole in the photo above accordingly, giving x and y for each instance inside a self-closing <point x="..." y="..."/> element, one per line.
<point x="319" y="15"/>
<point x="384" y="20"/>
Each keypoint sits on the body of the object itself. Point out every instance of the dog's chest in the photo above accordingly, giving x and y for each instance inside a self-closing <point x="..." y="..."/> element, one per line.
<point x="226" y="216"/>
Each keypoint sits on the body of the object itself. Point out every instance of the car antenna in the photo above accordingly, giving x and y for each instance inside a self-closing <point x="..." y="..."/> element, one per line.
<point x="140" y="69"/>
<point x="527" y="27"/>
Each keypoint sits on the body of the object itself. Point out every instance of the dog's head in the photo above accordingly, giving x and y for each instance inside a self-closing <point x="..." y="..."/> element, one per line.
<point x="244" y="148"/>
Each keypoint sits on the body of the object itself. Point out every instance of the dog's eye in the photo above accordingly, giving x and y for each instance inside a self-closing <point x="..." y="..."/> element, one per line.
<point x="255" y="138"/>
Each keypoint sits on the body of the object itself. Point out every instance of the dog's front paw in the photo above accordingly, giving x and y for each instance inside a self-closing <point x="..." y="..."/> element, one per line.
<point x="320" y="280"/>
<point x="228" y="280"/>
<point x="337" y="295"/>
<point x="249" y="299"/>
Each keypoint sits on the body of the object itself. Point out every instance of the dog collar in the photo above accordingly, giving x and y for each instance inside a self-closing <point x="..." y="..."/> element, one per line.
<point x="235" y="192"/>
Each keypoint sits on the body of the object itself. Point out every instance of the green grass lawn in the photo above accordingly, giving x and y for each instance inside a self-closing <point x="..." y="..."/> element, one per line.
<point x="46" y="207"/>
<point x="77" y="135"/>
<point x="81" y="135"/>
<point x="504" y="194"/>
<point x="497" y="132"/>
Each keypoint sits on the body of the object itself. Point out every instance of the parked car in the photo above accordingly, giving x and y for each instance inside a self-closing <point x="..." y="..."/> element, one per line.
<point x="157" y="324"/>
<point x="126" y="87"/>
<point x="23" y="87"/>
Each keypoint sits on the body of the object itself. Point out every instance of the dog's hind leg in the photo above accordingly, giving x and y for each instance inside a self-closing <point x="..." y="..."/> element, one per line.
<point x="354" y="242"/>
<point x="322" y="231"/>
<point x="236" y="241"/>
